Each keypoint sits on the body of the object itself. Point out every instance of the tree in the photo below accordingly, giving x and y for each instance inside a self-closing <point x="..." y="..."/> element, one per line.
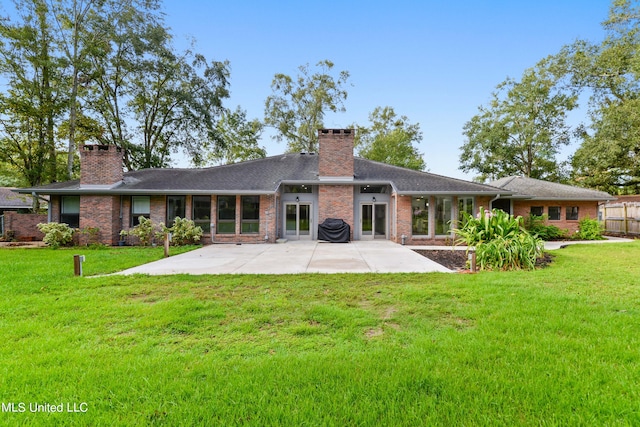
<point x="239" y="139"/>
<point x="390" y="139"/>
<point x="522" y="130"/>
<point x="297" y="107"/>
<point x="34" y="100"/>
<point x="609" y="156"/>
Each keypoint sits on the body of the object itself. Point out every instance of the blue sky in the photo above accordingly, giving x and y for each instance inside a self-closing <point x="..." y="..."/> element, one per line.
<point x="433" y="61"/>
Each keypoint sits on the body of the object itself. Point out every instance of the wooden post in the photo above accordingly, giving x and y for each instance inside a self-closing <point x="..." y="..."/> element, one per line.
<point x="472" y="262"/>
<point x="167" y="237"/>
<point x="626" y="221"/>
<point x="76" y="265"/>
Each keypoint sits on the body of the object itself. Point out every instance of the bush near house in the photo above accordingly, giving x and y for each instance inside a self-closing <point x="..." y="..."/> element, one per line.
<point x="56" y="234"/>
<point x="183" y="232"/>
<point x="590" y="229"/>
<point x="536" y="225"/>
<point x="500" y="240"/>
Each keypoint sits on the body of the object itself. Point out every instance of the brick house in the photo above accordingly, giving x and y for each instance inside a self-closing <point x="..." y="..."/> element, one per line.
<point x="562" y="205"/>
<point x="278" y="197"/>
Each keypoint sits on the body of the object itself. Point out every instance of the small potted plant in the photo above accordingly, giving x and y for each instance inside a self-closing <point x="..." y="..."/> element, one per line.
<point x="123" y="234"/>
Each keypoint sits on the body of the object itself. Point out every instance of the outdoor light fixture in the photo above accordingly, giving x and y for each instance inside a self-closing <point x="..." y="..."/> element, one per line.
<point x="374" y="200"/>
<point x="297" y="199"/>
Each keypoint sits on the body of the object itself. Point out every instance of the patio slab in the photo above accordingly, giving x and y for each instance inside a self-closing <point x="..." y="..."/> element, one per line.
<point x="294" y="257"/>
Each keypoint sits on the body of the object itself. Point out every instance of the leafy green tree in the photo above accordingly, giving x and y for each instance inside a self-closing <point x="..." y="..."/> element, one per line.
<point x="390" y="139"/>
<point x="522" y="129"/>
<point x="609" y="156"/>
<point x="34" y="98"/>
<point x="297" y="107"/>
<point x="240" y="138"/>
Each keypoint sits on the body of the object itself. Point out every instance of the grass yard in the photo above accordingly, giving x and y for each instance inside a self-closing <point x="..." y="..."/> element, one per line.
<point x="558" y="346"/>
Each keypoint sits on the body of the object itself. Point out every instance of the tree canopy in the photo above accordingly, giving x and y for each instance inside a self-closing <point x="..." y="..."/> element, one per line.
<point x="609" y="156"/>
<point x="297" y="107"/>
<point x="390" y="139"/>
<point x="522" y="129"/>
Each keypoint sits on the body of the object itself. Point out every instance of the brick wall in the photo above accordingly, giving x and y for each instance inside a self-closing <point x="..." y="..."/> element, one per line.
<point x="101" y="212"/>
<point x="336" y="153"/>
<point x="336" y="201"/>
<point x="23" y="226"/>
<point x="100" y="165"/>
<point x="585" y="210"/>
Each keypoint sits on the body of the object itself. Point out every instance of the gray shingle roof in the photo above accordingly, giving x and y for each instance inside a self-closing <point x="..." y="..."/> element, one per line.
<point x="266" y="175"/>
<point x="543" y="190"/>
<point x="12" y="200"/>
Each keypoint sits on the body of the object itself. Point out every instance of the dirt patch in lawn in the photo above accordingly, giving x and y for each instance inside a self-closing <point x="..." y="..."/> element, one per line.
<point x="457" y="260"/>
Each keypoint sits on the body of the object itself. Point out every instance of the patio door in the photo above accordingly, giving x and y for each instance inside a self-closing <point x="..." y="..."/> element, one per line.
<point x="373" y="221"/>
<point x="298" y="221"/>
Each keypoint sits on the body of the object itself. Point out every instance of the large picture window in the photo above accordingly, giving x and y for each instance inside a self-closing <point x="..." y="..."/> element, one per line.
<point x="175" y="208"/>
<point x="202" y="212"/>
<point x="226" y="215"/>
<point x="70" y="211"/>
<point x="140" y="206"/>
<point x="420" y="216"/>
<point x="443" y="215"/>
<point x="250" y="215"/>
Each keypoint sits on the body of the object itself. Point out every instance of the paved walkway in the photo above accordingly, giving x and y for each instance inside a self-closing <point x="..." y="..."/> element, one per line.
<point x="309" y="257"/>
<point x="294" y="257"/>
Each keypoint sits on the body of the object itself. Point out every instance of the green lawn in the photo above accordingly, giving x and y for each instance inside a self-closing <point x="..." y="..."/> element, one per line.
<point x="558" y="346"/>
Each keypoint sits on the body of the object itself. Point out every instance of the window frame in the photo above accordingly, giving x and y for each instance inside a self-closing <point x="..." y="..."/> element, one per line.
<point x="135" y="216"/>
<point x="569" y="213"/>
<point x="536" y="207"/>
<point x="447" y="222"/>
<point x="74" y="216"/>
<point x="552" y="217"/>
<point x="226" y="221"/>
<point x="171" y="216"/>
<point x="250" y="218"/>
<point x="423" y="200"/>
<point x="199" y="220"/>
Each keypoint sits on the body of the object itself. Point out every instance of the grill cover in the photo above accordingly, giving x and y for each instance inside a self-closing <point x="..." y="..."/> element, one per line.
<point x="334" y="230"/>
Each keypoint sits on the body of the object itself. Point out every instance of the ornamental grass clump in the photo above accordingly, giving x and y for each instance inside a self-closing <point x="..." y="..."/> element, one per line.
<point x="500" y="240"/>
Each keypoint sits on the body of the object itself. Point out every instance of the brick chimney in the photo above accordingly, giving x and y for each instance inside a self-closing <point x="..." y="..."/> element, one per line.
<point x="100" y="166"/>
<point x="336" y="154"/>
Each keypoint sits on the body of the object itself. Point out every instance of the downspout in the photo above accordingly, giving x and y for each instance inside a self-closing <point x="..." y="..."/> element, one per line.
<point x="493" y="200"/>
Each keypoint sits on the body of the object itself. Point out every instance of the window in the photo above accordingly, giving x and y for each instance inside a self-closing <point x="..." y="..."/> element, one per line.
<point x="298" y="189"/>
<point x="202" y="212"/>
<point x="537" y="211"/>
<point x="443" y="215"/>
<point x="70" y="211"/>
<point x="378" y="189"/>
<point x="140" y="206"/>
<point x="175" y="208"/>
<point x="572" y="213"/>
<point x="226" y="215"/>
<point x="250" y="215"/>
<point x="554" y="213"/>
<point x="465" y="205"/>
<point x="420" y="216"/>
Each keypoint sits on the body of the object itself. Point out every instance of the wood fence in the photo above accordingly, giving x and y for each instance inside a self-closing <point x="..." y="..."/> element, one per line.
<point x="622" y="218"/>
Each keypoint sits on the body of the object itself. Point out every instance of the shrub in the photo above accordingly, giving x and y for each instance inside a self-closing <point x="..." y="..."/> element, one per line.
<point x="56" y="234"/>
<point x="184" y="232"/>
<point x="501" y="242"/>
<point x="144" y="231"/>
<point x="535" y="225"/>
<point x="589" y="229"/>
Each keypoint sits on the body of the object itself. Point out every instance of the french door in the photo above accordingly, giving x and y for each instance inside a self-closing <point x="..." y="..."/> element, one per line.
<point x="373" y="221"/>
<point x="298" y="221"/>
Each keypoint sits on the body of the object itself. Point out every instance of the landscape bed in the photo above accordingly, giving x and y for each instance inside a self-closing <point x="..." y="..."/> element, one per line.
<point x="552" y="346"/>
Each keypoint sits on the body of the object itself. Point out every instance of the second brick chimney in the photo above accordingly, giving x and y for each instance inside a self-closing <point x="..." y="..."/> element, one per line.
<point x="100" y="166"/>
<point x="336" y="154"/>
